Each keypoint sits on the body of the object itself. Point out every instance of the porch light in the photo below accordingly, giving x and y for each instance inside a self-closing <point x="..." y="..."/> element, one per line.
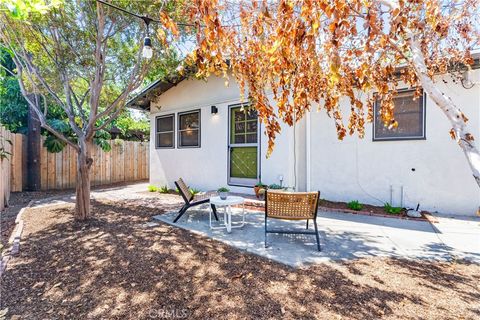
<point x="214" y="109"/>
<point x="147" y="52"/>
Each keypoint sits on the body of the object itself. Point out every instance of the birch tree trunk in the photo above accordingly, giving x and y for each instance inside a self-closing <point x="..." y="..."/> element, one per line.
<point x="460" y="130"/>
<point x="84" y="163"/>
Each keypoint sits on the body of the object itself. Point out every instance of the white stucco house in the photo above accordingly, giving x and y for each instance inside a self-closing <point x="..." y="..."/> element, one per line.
<point x="200" y="131"/>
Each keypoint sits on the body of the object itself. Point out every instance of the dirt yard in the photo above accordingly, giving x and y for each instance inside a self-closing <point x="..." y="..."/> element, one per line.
<point x="117" y="267"/>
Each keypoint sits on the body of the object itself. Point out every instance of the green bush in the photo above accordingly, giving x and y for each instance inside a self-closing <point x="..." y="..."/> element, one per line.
<point x="194" y="191"/>
<point x="223" y="189"/>
<point x="391" y="210"/>
<point x="152" y="188"/>
<point x="275" y="186"/>
<point x="163" y="189"/>
<point x="355" y="205"/>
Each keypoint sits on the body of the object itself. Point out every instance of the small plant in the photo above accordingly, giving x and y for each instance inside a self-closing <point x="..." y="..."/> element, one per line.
<point x="223" y="193"/>
<point x="355" y="205"/>
<point x="163" y="189"/>
<point x="176" y="190"/>
<point x="194" y="191"/>
<point x="260" y="185"/>
<point x="152" y="188"/>
<point x="275" y="186"/>
<point x="391" y="210"/>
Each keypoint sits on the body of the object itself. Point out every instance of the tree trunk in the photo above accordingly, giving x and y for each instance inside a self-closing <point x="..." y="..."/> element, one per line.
<point x="84" y="162"/>
<point x="460" y="131"/>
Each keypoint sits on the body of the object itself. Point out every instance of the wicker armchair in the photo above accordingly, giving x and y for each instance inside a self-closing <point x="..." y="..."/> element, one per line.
<point x="292" y="206"/>
<point x="192" y="200"/>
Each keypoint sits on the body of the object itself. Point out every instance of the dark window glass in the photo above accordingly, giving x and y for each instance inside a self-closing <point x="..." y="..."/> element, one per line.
<point x="164" y="132"/>
<point x="189" y="129"/>
<point x="409" y="114"/>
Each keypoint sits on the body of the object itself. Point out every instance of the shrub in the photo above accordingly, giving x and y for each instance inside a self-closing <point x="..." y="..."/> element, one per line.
<point x="152" y="188"/>
<point x="223" y="189"/>
<point x="194" y="191"/>
<point x="275" y="186"/>
<point x="163" y="189"/>
<point x="391" y="210"/>
<point x="355" y="205"/>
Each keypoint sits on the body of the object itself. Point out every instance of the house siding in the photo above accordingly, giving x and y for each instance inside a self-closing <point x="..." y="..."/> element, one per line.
<point x="205" y="168"/>
<point x="352" y="169"/>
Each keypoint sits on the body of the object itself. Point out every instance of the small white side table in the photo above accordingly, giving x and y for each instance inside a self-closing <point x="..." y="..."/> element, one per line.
<point x="227" y="211"/>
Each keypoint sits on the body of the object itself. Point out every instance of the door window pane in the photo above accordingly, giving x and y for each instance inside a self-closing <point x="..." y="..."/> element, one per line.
<point x="244" y="125"/>
<point x="243" y="162"/>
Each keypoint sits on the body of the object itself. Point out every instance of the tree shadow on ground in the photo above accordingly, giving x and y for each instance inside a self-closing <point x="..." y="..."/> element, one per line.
<point x="114" y="266"/>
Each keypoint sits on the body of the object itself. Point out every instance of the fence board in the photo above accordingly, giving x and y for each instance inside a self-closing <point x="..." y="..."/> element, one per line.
<point x="6" y="166"/>
<point x="17" y="163"/>
<point x="127" y="161"/>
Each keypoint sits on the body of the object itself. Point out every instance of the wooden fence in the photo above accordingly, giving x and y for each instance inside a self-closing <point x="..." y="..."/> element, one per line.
<point x="11" y="173"/>
<point x="127" y="161"/>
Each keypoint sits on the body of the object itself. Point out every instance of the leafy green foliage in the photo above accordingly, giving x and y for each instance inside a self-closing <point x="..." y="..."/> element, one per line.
<point x="152" y="188"/>
<point x="223" y="189"/>
<point x="53" y="144"/>
<point x="275" y="186"/>
<point x="355" y="205"/>
<point x="194" y="191"/>
<point x="260" y="184"/>
<point x="4" y="154"/>
<point x="391" y="210"/>
<point x="163" y="189"/>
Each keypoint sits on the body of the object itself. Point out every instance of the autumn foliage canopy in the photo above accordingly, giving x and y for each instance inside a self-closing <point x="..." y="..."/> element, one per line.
<point x="311" y="54"/>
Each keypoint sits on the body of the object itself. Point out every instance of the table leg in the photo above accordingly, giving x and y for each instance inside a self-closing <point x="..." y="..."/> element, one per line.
<point x="229" y="222"/>
<point x="243" y="214"/>
<point x="210" y="216"/>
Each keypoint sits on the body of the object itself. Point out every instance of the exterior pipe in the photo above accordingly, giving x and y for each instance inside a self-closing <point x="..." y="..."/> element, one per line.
<point x="307" y="152"/>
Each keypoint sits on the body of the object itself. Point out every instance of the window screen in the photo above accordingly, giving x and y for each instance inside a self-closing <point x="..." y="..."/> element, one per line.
<point x="189" y="129"/>
<point x="410" y="115"/>
<point x="164" y="131"/>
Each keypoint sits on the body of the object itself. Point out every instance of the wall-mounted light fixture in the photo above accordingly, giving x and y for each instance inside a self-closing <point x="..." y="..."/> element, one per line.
<point x="214" y="109"/>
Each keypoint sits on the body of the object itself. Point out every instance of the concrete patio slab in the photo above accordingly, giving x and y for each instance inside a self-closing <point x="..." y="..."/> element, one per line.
<point x="343" y="237"/>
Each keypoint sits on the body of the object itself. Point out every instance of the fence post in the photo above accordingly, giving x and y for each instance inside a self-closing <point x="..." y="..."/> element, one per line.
<point x="33" y="151"/>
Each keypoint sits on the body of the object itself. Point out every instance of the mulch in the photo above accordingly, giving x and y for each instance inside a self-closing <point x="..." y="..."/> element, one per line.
<point x="116" y="267"/>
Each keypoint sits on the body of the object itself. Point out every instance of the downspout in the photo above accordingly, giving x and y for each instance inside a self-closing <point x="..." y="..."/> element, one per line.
<point x="307" y="152"/>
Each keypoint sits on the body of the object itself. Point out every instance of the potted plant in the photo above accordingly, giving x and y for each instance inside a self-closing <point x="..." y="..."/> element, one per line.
<point x="258" y="187"/>
<point x="223" y="193"/>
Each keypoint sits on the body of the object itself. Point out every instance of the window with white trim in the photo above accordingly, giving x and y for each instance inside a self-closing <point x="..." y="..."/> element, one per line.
<point x="189" y="129"/>
<point x="165" y="131"/>
<point x="410" y="115"/>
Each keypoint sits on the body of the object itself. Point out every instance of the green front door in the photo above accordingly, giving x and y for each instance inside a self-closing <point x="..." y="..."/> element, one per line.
<point x="243" y="146"/>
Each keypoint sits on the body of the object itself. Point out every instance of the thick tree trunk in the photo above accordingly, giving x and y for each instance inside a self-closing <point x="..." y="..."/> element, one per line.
<point x="460" y="130"/>
<point x="84" y="162"/>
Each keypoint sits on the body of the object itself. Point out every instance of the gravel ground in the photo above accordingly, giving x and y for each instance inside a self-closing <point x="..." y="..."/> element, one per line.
<point x="116" y="267"/>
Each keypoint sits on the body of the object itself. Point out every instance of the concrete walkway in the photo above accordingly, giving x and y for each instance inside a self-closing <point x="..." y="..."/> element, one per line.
<point x="344" y="237"/>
